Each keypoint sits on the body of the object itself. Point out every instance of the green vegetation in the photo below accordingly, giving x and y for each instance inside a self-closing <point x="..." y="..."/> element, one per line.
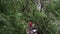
<point x="15" y="15"/>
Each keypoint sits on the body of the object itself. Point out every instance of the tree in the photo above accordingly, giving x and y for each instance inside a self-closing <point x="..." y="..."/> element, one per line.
<point x="15" y="15"/>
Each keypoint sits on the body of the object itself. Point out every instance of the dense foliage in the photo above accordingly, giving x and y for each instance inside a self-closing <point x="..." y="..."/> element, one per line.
<point x="15" y="15"/>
